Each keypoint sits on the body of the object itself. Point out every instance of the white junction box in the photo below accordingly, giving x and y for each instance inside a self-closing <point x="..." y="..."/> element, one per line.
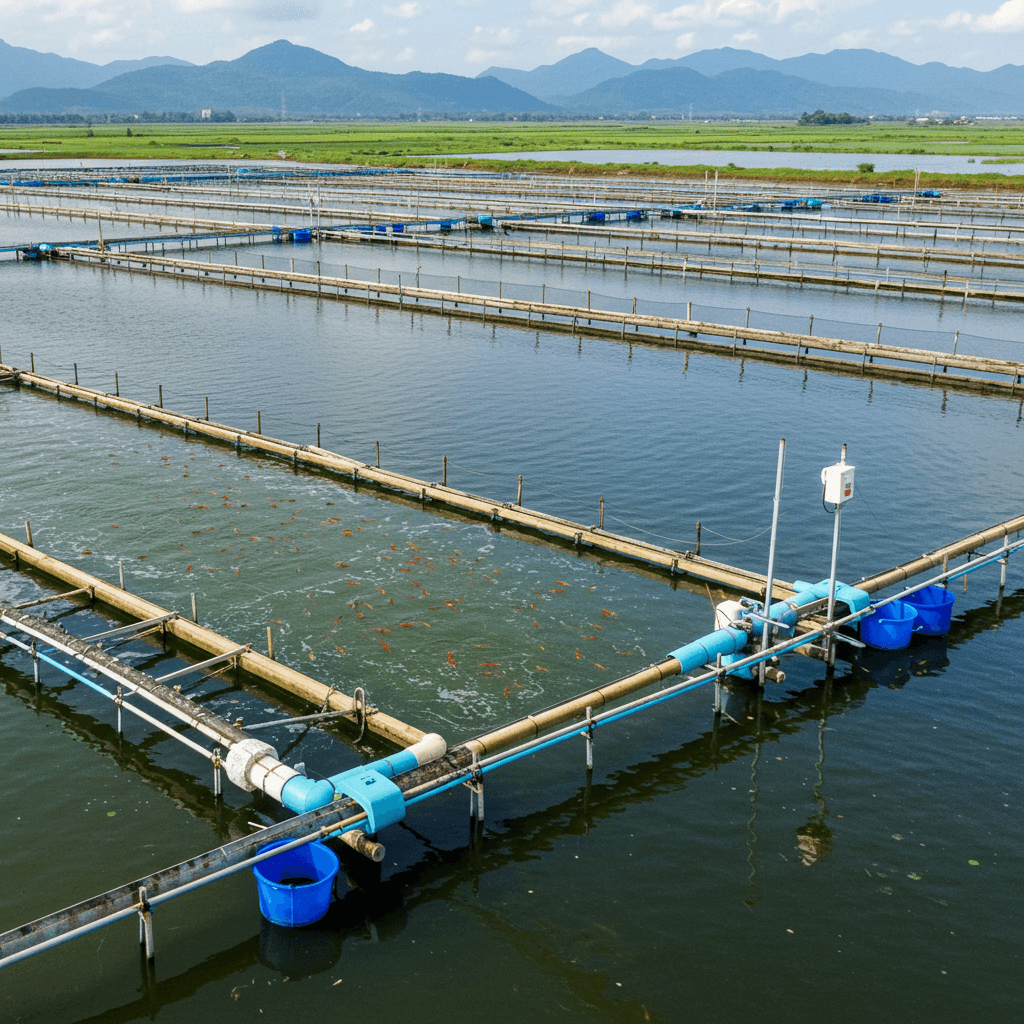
<point x="838" y="481"/>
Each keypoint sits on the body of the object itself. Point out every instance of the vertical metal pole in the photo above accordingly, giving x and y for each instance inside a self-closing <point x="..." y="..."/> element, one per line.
<point x="444" y="470"/>
<point x="318" y="435"/>
<point x="120" y="573"/>
<point x="207" y="410"/>
<point x="195" y="618"/>
<point x="718" y="684"/>
<point x="118" y="701"/>
<point x="771" y="553"/>
<point x="216" y="773"/>
<point x="832" y="584"/>
<point x="378" y="454"/>
<point x="1003" y="562"/>
<point x="76" y="373"/>
<point x="35" y="663"/>
<point x="117" y="385"/>
<point x="590" y="739"/>
<point x="270" y="644"/>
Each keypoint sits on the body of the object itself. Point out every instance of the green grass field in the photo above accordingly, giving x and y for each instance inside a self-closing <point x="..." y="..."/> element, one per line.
<point x="407" y="145"/>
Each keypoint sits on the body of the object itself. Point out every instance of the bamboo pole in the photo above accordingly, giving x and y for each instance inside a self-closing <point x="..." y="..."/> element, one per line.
<point x="206" y="640"/>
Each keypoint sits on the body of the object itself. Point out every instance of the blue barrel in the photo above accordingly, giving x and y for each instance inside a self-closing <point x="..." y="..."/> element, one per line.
<point x="302" y="235"/>
<point x="934" y="607"/>
<point x="890" y="628"/>
<point x="295" y="887"/>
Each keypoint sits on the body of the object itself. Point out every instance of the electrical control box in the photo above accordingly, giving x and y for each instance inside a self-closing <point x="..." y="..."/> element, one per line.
<point x="838" y="481"/>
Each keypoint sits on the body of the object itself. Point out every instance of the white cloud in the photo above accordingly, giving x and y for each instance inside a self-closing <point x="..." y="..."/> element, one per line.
<point x="1008" y="17"/>
<point x="361" y="27"/>
<point x="497" y="35"/>
<point x="684" y="41"/>
<point x="405" y="57"/>
<point x="854" y="39"/>
<point x="285" y="12"/>
<point x="625" y="12"/>
<point x="404" y="11"/>
<point x="746" y="37"/>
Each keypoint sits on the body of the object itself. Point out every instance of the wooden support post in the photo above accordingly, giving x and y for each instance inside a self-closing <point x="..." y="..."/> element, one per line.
<point x="318" y="435"/>
<point x="697" y="552"/>
<point x="259" y="422"/>
<point x="28" y="534"/>
<point x="378" y="454"/>
<point x="117" y="385"/>
<point x="32" y="361"/>
<point x="444" y="471"/>
<point x="160" y="395"/>
<point x="146" y="926"/>
<point x="600" y="525"/>
<point x="270" y="643"/>
<point x="120" y="573"/>
<point x="519" y="498"/>
<point x="76" y="373"/>
<point x="207" y="410"/>
<point x="195" y="617"/>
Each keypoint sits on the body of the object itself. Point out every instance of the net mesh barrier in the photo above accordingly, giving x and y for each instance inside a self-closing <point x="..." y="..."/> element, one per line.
<point x="822" y="327"/>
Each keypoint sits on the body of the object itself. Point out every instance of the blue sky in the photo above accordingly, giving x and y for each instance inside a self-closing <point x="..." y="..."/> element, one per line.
<point x="466" y="36"/>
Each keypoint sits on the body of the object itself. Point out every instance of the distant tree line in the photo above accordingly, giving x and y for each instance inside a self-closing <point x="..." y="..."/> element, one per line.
<point x="146" y="117"/>
<point x="825" y="117"/>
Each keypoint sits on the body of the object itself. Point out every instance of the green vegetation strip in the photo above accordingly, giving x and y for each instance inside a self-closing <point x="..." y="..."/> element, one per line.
<point x="417" y="145"/>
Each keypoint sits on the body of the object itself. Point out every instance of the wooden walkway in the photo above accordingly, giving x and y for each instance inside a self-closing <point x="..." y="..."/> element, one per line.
<point x="578" y="535"/>
<point x="861" y="359"/>
<point x="182" y="628"/>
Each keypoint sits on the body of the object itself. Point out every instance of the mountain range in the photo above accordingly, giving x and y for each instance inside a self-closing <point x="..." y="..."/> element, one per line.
<point x="20" y="66"/>
<point x="280" y="74"/>
<point x="282" y="77"/>
<point x="876" y="82"/>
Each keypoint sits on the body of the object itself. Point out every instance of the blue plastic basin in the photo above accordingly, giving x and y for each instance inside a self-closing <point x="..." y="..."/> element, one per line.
<point x="890" y="628"/>
<point x="295" y="887"/>
<point x="934" y="607"/>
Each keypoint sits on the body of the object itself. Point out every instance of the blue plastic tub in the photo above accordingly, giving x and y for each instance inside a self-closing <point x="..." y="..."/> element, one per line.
<point x="934" y="607"/>
<point x="295" y="887"/>
<point x="890" y="628"/>
<point x="302" y="235"/>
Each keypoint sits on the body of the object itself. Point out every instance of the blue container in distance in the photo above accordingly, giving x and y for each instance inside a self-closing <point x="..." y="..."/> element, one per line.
<point x="302" y="235"/>
<point x="295" y="887"/>
<point x="934" y="607"/>
<point x="890" y="628"/>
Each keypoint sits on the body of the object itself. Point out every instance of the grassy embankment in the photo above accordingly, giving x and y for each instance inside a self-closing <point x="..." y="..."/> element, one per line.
<point x="406" y="145"/>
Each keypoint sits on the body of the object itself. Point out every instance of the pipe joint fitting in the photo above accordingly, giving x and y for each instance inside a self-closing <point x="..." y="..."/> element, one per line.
<point x="241" y="758"/>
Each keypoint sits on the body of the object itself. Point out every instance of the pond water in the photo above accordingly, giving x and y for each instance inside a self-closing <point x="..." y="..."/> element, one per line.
<point x="932" y="163"/>
<point x="850" y="847"/>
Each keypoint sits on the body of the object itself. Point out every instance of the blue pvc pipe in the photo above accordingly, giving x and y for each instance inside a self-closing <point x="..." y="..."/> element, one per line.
<point x="301" y="794"/>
